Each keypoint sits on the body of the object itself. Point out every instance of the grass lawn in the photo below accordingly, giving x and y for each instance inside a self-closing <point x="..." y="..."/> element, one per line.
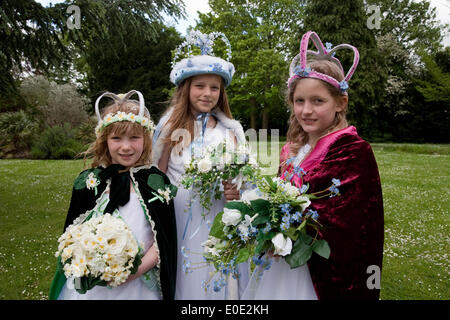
<point x="416" y="196"/>
<point x="34" y="197"/>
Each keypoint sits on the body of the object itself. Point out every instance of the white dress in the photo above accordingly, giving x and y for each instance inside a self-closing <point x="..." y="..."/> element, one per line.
<point x="280" y="282"/>
<point x="137" y="289"/>
<point x="193" y="230"/>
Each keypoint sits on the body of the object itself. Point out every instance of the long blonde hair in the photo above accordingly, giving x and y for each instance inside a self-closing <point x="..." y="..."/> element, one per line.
<point x="295" y="135"/>
<point x="99" y="148"/>
<point x="182" y="116"/>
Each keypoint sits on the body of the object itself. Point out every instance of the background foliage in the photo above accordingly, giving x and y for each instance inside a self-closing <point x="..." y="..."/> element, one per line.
<point x="51" y="74"/>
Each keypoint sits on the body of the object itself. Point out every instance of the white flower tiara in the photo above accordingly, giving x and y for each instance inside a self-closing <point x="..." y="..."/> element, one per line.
<point x="110" y="118"/>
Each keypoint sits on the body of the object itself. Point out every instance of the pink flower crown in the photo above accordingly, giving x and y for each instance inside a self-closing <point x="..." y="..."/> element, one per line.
<point x="110" y="118"/>
<point x="301" y="70"/>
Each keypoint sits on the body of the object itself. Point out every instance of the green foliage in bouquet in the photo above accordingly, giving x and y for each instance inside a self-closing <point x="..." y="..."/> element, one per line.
<point x="272" y="218"/>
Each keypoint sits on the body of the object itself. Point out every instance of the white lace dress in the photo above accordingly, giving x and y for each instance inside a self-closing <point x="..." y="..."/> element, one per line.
<point x="138" y="289"/>
<point x="192" y="230"/>
<point x="280" y="282"/>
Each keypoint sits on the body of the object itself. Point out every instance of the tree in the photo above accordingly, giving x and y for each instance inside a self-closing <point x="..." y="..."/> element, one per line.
<point x="29" y="41"/>
<point x="437" y="87"/>
<point x="17" y="130"/>
<point x="407" y="30"/>
<point x="137" y="63"/>
<point x="32" y="37"/>
<point x="396" y="101"/>
<point x="57" y="104"/>
<point x="260" y="33"/>
<point x="101" y="18"/>
<point x="412" y="23"/>
<point x="433" y="115"/>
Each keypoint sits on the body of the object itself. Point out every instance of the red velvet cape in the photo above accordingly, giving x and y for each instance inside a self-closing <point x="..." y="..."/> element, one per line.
<point x="353" y="221"/>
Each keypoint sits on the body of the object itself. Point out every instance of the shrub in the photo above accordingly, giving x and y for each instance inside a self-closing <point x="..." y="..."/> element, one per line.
<point x="85" y="133"/>
<point x="57" y="142"/>
<point x="58" y="103"/>
<point x="17" y="130"/>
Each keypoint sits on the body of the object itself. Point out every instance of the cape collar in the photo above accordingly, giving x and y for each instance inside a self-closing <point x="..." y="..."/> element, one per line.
<point x="322" y="147"/>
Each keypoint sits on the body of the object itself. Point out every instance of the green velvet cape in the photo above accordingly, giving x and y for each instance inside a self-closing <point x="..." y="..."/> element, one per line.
<point x="160" y="213"/>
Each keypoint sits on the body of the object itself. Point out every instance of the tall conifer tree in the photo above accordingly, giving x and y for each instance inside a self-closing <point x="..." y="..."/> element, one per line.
<point x="346" y="22"/>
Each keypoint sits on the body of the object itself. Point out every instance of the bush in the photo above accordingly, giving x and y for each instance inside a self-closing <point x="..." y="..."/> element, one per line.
<point x="58" y="103"/>
<point x="17" y="130"/>
<point x="57" y="142"/>
<point x="85" y="133"/>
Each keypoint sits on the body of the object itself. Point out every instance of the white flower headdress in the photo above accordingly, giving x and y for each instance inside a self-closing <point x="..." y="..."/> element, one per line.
<point x="110" y="118"/>
<point x="206" y="63"/>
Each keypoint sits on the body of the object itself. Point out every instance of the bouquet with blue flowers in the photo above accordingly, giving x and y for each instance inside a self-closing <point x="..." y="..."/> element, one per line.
<point x="223" y="162"/>
<point x="272" y="218"/>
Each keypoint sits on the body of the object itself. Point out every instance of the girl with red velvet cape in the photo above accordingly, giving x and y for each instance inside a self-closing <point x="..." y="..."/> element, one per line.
<point x="353" y="221"/>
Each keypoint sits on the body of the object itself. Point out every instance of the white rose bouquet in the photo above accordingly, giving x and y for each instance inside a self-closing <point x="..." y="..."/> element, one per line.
<point x="275" y="218"/>
<point x="223" y="162"/>
<point x="100" y="251"/>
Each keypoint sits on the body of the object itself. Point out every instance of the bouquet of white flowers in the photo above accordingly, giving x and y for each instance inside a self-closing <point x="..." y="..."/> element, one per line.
<point x="217" y="163"/>
<point x="100" y="251"/>
<point x="271" y="218"/>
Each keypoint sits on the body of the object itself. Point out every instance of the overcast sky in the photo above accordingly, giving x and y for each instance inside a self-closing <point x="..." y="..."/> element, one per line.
<point x="192" y="6"/>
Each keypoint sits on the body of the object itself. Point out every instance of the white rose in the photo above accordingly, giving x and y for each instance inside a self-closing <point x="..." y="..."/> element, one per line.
<point x="117" y="244"/>
<point x="306" y="204"/>
<point x="204" y="165"/>
<point x="211" y="242"/>
<point x="250" y="195"/>
<point x="283" y="245"/>
<point x="291" y="190"/>
<point x="231" y="217"/>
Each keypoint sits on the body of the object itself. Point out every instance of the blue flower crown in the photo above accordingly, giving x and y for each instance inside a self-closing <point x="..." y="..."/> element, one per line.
<point x="206" y="63"/>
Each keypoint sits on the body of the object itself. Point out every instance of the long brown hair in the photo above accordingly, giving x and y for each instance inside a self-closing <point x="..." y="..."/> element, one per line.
<point x="99" y="148"/>
<point x="182" y="116"/>
<point x="295" y="135"/>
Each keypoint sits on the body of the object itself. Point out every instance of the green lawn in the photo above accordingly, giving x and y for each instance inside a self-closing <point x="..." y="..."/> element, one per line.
<point x="34" y="197"/>
<point x="416" y="196"/>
